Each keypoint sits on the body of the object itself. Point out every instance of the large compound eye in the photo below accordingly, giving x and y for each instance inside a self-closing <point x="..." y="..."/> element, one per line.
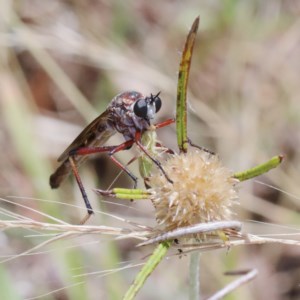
<point x="141" y="108"/>
<point x="157" y="104"/>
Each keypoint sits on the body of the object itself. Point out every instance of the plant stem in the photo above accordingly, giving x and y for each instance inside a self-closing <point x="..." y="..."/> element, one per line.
<point x="158" y="254"/>
<point x="194" y="277"/>
<point x="260" y="169"/>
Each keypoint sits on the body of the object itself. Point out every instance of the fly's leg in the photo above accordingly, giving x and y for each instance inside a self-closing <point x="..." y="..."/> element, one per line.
<point x="121" y="147"/>
<point x="82" y="190"/>
<point x="90" y="150"/>
<point x="166" y="150"/>
<point x="155" y="161"/>
<point x="158" y="145"/>
<point x="164" y="123"/>
<point x="199" y="147"/>
<point x="138" y="140"/>
<point x="169" y="122"/>
<point x="111" y="150"/>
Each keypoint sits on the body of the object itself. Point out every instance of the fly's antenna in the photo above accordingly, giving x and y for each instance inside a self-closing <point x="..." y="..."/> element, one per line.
<point x="153" y="97"/>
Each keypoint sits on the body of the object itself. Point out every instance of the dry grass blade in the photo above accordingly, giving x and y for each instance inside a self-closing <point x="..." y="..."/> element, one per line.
<point x="250" y="275"/>
<point x="237" y="240"/>
<point x="68" y="228"/>
<point x="193" y="229"/>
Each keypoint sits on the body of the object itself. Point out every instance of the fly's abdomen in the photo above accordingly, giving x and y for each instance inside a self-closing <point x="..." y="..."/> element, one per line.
<point x="65" y="168"/>
<point x="60" y="174"/>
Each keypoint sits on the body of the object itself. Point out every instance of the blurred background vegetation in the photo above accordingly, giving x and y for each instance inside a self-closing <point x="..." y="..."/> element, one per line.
<point x="61" y="62"/>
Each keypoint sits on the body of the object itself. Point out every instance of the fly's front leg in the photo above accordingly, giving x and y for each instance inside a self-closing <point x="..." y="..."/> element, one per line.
<point x="164" y="123"/>
<point x="155" y="161"/>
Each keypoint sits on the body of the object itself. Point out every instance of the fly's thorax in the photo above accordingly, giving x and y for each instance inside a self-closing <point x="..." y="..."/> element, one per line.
<point x="127" y="123"/>
<point x="126" y="99"/>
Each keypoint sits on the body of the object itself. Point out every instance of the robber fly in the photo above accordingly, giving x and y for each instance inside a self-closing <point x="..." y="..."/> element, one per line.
<point x="129" y="113"/>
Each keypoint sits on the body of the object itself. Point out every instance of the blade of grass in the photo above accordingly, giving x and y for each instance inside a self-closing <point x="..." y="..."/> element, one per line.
<point x="156" y="257"/>
<point x="250" y="275"/>
<point x="183" y="76"/>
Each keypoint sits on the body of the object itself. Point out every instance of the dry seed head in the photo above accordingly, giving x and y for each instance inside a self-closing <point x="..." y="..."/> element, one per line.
<point x="203" y="190"/>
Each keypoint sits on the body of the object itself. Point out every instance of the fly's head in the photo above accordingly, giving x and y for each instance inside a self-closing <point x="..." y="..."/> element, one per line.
<point x="147" y="107"/>
<point x="131" y="111"/>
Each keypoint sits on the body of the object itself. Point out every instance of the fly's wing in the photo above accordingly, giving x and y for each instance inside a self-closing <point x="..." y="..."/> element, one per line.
<point x="94" y="135"/>
<point x="95" y="130"/>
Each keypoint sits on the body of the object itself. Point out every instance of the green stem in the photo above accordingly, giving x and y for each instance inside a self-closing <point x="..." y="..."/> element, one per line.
<point x="260" y="169"/>
<point x="130" y="193"/>
<point x="121" y="193"/>
<point x="194" y="280"/>
<point x="158" y="254"/>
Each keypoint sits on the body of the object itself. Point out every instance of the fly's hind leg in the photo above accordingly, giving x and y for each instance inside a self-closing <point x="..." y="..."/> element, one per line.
<point x="200" y="147"/>
<point x="82" y="190"/>
<point x="90" y="150"/>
